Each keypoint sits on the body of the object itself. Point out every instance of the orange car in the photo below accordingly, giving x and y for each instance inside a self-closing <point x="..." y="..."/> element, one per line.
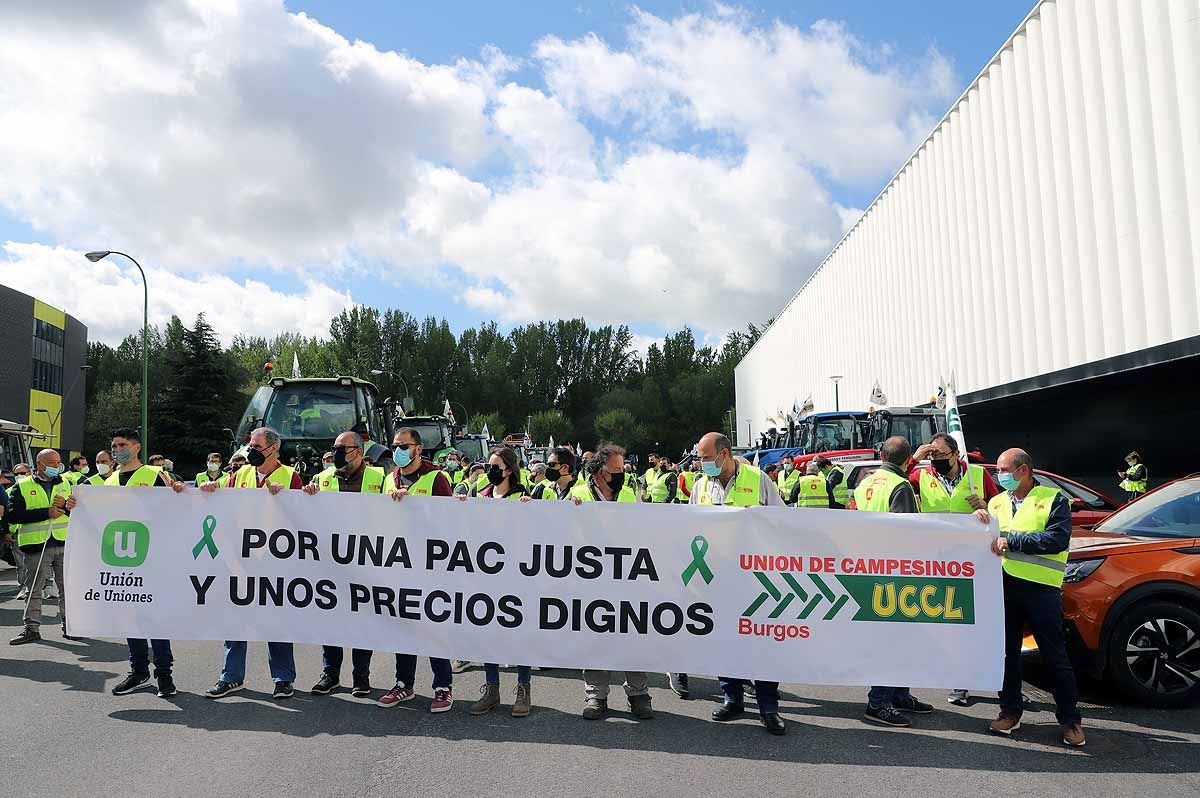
<point x="1131" y="597"/>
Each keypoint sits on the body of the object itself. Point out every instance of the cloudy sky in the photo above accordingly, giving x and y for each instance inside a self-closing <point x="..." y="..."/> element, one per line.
<point x="270" y="163"/>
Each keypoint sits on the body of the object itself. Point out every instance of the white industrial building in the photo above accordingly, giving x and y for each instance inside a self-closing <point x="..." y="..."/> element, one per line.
<point x="1054" y="210"/>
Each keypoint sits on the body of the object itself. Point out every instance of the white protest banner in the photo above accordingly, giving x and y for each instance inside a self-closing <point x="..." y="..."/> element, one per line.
<point x="810" y="596"/>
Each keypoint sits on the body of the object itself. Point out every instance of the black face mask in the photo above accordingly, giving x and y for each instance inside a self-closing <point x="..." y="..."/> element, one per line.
<point x="255" y="458"/>
<point x="340" y="460"/>
<point x="941" y="466"/>
<point x="553" y="474"/>
<point x="616" y="481"/>
<point x="495" y="474"/>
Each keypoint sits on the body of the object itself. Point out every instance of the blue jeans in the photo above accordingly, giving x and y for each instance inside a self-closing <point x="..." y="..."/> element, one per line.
<point x="139" y="656"/>
<point x="360" y="658"/>
<point x="767" y="692"/>
<point x="279" y="657"/>
<point x="491" y="673"/>
<point x="443" y="677"/>
<point x="885" y="696"/>
<point x="1040" y="606"/>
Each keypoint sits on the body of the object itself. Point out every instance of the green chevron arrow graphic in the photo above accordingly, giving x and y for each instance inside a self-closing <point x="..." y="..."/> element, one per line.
<point x="795" y="591"/>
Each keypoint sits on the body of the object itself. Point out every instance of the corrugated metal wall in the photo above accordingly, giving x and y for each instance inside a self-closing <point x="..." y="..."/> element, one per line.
<point x="1057" y="205"/>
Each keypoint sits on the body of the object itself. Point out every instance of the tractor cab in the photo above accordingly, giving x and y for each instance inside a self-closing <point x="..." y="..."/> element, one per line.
<point x="916" y="424"/>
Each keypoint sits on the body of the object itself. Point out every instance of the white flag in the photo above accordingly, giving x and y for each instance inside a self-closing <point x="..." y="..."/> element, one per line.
<point x="487" y="435"/>
<point x="551" y="443"/>
<point x="940" y="401"/>
<point x="878" y="397"/>
<point x="808" y="405"/>
<point x="954" y="427"/>
<point x="295" y="364"/>
<point x="448" y="413"/>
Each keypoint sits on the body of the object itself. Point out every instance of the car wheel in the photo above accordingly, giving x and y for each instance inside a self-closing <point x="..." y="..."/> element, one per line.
<point x="1154" y="654"/>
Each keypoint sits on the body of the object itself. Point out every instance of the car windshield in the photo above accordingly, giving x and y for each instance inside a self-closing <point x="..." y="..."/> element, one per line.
<point x="833" y="434"/>
<point x="1172" y="511"/>
<point x="311" y="411"/>
<point x="433" y="435"/>
<point x="473" y="448"/>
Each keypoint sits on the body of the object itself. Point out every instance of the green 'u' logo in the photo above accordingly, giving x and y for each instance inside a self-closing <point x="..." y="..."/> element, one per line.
<point x="125" y="544"/>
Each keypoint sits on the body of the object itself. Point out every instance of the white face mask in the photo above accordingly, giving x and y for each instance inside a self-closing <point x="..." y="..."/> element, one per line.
<point x="102" y="469"/>
<point x="214" y="468"/>
<point x="84" y="470"/>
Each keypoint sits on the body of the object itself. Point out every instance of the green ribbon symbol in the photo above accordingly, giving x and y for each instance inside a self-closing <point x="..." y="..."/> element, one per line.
<point x="206" y="541"/>
<point x="698" y="565"/>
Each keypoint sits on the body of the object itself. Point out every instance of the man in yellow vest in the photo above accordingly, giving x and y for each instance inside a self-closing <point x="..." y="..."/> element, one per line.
<point x="887" y="490"/>
<point x="1135" y="477"/>
<point x="212" y="470"/>
<point x="726" y="481"/>
<point x="349" y="473"/>
<point x="950" y="485"/>
<point x="263" y="469"/>
<point x="787" y="478"/>
<point x="104" y="466"/>
<point x="650" y="474"/>
<point x="78" y="470"/>
<point x="127" y="471"/>
<point x="39" y="508"/>
<point x="811" y="490"/>
<point x="415" y="475"/>
<point x="666" y="484"/>
<point x="606" y="482"/>
<point x="835" y="478"/>
<point x="1036" y="526"/>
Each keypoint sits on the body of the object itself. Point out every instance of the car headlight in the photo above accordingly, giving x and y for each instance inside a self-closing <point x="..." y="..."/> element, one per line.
<point x="1078" y="570"/>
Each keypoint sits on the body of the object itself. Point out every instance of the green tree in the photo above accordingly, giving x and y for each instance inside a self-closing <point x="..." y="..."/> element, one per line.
<point x="117" y="405"/>
<point x="492" y="421"/>
<point x="621" y="427"/>
<point x="549" y="424"/>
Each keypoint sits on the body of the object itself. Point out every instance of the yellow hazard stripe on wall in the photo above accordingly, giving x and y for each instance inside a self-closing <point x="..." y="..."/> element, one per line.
<point x="49" y="314"/>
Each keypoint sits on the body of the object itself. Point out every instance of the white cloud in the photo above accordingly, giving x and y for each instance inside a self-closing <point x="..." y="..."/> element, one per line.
<point x="107" y="296"/>
<point x="687" y="176"/>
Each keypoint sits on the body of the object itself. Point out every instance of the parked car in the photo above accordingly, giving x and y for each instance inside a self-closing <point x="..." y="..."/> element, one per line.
<point x="1131" y="601"/>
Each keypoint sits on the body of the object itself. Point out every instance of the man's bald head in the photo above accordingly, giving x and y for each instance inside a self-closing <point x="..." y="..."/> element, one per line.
<point x="1012" y="459"/>
<point x="896" y="450"/>
<point x="712" y="444"/>
<point x="348" y="439"/>
<point x="48" y="457"/>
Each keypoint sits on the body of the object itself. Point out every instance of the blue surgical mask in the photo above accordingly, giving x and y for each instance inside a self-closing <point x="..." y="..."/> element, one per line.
<point x="1007" y="480"/>
<point x="401" y="457"/>
<point x="711" y="468"/>
<point x="51" y="472"/>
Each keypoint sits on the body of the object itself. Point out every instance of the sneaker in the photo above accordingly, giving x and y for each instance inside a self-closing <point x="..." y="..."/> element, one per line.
<point x="640" y="706"/>
<point x="166" y="686"/>
<point x="909" y="703"/>
<point x="132" y="682"/>
<point x="489" y="699"/>
<point x="443" y="700"/>
<point x="22" y="594"/>
<point x="397" y="695"/>
<point x="888" y="716"/>
<point x="1072" y="735"/>
<point x="361" y="688"/>
<point x="282" y="690"/>
<point x="29" y="634"/>
<point x="459" y="665"/>
<point x="595" y="708"/>
<point x="960" y="698"/>
<point x="1006" y="724"/>
<point x="326" y="684"/>
<point x="223" y="688"/>
<point x="679" y="683"/>
<point x="522" y="702"/>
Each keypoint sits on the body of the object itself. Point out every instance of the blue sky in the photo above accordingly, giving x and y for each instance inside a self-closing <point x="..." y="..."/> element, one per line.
<point x="456" y="285"/>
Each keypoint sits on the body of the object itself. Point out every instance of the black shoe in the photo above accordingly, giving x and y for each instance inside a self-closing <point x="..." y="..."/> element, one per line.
<point x="223" y="688"/>
<point x="65" y="635"/>
<point x="282" y="690"/>
<point x="640" y="706"/>
<point x="324" y="686"/>
<point x="595" y="708"/>
<point x="888" y="716"/>
<point x="910" y="704"/>
<point x="132" y="682"/>
<point x="773" y="722"/>
<point x="361" y="689"/>
<point x="750" y="690"/>
<point x="728" y="711"/>
<point x="29" y="634"/>
<point x="166" y="686"/>
<point x="679" y="683"/>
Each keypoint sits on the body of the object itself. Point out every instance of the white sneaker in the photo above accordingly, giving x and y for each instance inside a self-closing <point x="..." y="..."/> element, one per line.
<point x="23" y="594"/>
<point x="958" y="697"/>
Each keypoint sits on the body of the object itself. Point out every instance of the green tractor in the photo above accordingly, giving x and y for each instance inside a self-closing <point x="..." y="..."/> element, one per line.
<point x="309" y="413"/>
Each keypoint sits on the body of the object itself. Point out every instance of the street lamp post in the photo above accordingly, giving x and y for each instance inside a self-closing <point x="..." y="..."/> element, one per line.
<point x="466" y="413"/>
<point x="836" y="403"/>
<point x="100" y="255"/>
<point x="406" y="402"/>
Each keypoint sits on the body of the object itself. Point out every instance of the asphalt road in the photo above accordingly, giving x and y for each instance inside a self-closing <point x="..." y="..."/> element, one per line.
<point x="66" y="735"/>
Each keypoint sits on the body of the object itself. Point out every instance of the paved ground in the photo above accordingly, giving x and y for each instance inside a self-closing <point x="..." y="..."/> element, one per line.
<point x="66" y="735"/>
